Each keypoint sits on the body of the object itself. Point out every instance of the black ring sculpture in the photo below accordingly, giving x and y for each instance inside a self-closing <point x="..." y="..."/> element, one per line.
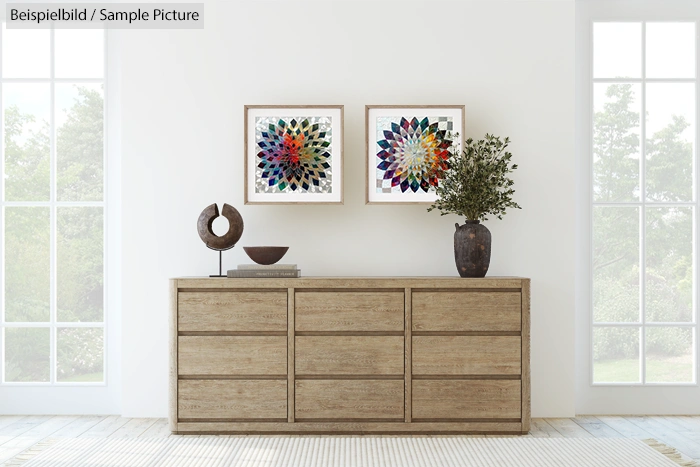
<point x="226" y="241"/>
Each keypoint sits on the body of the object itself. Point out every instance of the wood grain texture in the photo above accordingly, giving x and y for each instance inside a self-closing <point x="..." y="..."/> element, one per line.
<point x="82" y="424"/>
<point x="232" y="399"/>
<point x="12" y="446"/>
<point x="466" y="311"/>
<point x="525" y="371"/>
<point x="349" y="311"/>
<point x="466" y="399"/>
<point x="597" y="428"/>
<point x="107" y="426"/>
<point x="290" y="354"/>
<point x="568" y="428"/>
<point x="347" y="355"/>
<point x="349" y="399"/>
<point x="232" y="311"/>
<point x="480" y="355"/>
<point x="173" y="357"/>
<point x="232" y="355"/>
<point x="159" y="429"/>
<point x="134" y="428"/>
<point x="350" y="427"/>
<point x="351" y="283"/>
<point x="666" y="434"/>
<point x="408" y="365"/>
<point x="350" y="355"/>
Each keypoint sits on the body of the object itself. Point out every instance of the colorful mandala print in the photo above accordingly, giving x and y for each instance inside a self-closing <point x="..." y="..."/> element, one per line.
<point x="294" y="154"/>
<point x="413" y="153"/>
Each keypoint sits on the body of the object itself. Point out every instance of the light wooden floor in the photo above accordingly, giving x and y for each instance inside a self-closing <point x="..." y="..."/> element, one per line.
<point x="18" y="433"/>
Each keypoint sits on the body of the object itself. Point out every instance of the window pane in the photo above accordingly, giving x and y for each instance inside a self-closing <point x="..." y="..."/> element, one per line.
<point x="616" y="148"/>
<point x="26" y="141"/>
<point x="27" y="354"/>
<point x="26" y="53"/>
<point x="79" y="53"/>
<point x="80" y="264"/>
<point x="80" y="355"/>
<point x="27" y="264"/>
<point x="669" y="355"/>
<point x="670" y="140"/>
<point x="669" y="265"/>
<point x="617" y="50"/>
<point x="615" y="264"/>
<point x="79" y="142"/>
<point x="616" y="355"/>
<point x="670" y="50"/>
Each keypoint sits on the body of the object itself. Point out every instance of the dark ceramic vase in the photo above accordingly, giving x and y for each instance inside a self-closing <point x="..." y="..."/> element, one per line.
<point x="472" y="249"/>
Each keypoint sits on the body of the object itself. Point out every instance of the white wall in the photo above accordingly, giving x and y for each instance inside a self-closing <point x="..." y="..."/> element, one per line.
<point x="510" y="63"/>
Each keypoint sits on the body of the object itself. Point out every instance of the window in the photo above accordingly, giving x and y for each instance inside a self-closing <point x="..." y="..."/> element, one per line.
<point x="644" y="203"/>
<point x="52" y="219"/>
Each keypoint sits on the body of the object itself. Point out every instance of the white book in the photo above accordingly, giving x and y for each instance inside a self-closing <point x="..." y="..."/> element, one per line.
<point x="252" y="273"/>
<point x="266" y="266"/>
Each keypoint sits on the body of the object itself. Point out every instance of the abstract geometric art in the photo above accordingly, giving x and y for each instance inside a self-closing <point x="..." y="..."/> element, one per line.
<point x="412" y="153"/>
<point x="408" y="150"/>
<point x="294" y="154"/>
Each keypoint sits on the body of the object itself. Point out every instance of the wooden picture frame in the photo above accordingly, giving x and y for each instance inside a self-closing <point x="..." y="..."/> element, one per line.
<point x="293" y="154"/>
<point x="386" y="128"/>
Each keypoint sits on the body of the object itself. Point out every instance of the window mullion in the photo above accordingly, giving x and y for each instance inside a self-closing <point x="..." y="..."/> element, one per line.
<point x="105" y="224"/>
<point x="649" y="325"/>
<point x="643" y="212"/>
<point x="2" y="225"/>
<point x="52" y="216"/>
<point x="591" y="205"/>
<point x="696" y="233"/>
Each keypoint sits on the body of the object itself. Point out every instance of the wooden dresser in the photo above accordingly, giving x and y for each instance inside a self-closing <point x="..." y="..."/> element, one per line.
<point x="350" y="355"/>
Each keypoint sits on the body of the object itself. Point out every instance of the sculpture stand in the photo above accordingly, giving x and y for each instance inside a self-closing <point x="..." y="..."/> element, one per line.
<point x="221" y="274"/>
<point x="220" y="271"/>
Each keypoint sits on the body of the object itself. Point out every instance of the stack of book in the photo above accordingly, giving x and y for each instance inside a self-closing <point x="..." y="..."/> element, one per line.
<point x="261" y="270"/>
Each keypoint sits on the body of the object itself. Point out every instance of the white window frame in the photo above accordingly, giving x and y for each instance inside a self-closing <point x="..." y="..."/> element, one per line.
<point x="642" y="204"/>
<point x="53" y="204"/>
<point x="88" y="398"/>
<point x="623" y="398"/>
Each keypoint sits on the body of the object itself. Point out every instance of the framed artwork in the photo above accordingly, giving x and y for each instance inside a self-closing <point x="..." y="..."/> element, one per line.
<point x="293" y="154"/>
<point x="407" y="149"/>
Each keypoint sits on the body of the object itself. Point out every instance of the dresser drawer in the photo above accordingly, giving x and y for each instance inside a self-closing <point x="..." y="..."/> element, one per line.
<point x="466" y="355"/>
<point x="453" y="399"/>
<point x="349" y="355"/>
<point x="209" y="399"/>
<point x="466" y="311"/>
<point x="232" y="311"/>
<point x="232" y="355"/>
<point x="349" y="311"/>
<point x="349" y="399"/>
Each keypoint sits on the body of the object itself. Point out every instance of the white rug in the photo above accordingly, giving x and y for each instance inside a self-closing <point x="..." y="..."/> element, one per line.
<point x="360" y="451"/>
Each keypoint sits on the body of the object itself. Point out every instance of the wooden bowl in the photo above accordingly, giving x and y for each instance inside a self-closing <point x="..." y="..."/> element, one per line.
<point x="265" y="254"/>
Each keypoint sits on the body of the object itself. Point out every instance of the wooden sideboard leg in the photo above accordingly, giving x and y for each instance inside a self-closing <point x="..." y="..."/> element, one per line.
<point x="407" y="356"/>
<point x="525" y="355"/>
<point x="290" y="355"/>
<point x="172" y="407"/>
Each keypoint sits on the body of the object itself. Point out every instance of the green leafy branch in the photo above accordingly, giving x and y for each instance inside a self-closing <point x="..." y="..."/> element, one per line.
<point x="477" y="183"/>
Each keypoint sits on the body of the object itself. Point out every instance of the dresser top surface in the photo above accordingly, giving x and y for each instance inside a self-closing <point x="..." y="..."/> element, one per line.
<point x="353" y="282"/>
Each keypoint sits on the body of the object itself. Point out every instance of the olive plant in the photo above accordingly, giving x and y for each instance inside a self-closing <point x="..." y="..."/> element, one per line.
<point x="477" y="183"/>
